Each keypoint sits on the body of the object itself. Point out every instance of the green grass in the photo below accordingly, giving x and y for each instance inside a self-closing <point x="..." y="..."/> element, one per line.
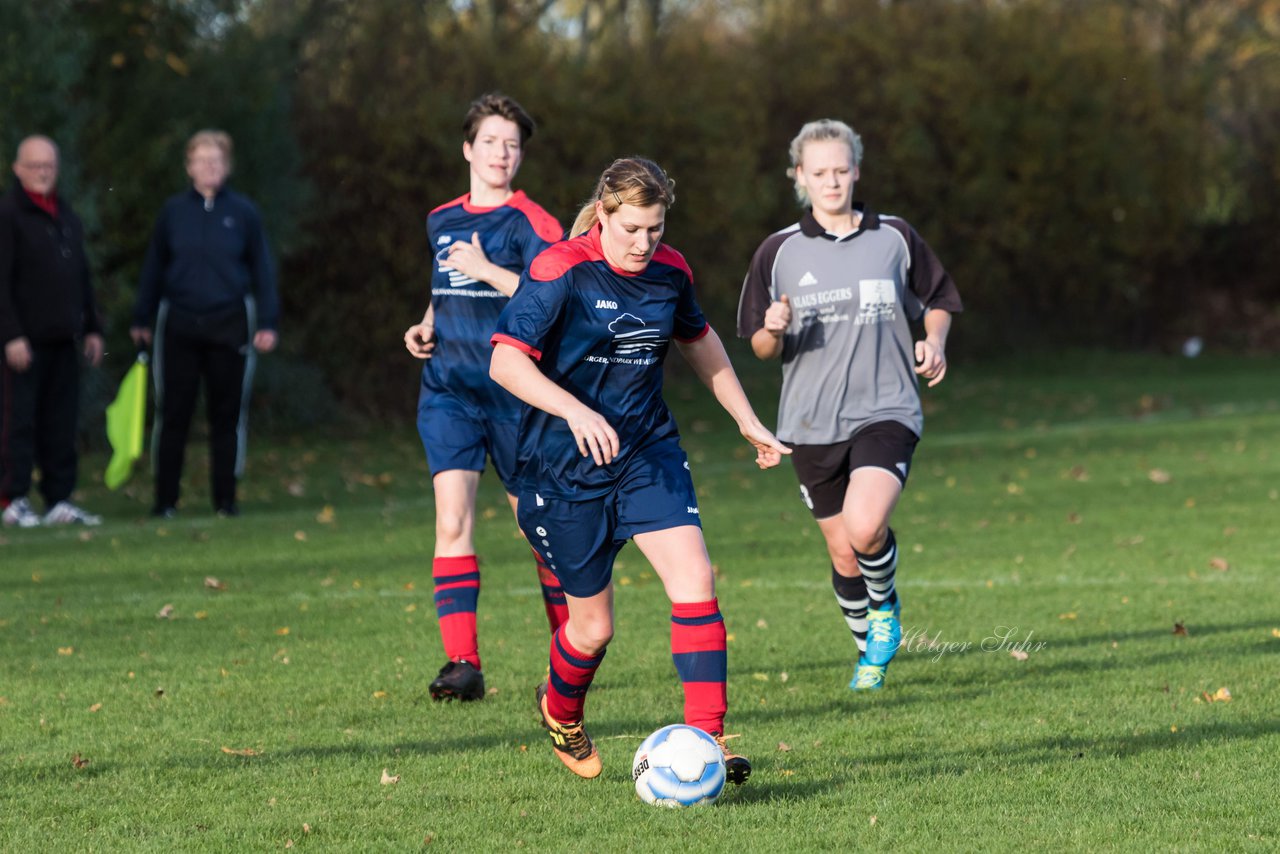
<point x="1086" y="506"/>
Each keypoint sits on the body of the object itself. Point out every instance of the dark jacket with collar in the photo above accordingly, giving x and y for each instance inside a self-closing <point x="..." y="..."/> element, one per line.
<point x="46" y="293"/>
<point x="206" y="257"/>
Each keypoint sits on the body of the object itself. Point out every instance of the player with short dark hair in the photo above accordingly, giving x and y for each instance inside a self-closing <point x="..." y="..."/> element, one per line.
<point x="583" y="343"/>
<point x="835" y="296"/>
<point x="480" y="242"/>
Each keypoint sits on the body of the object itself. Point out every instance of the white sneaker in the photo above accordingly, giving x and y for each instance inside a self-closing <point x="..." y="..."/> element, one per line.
<point x="19" y="513"/>
<point x="66" y="513"/>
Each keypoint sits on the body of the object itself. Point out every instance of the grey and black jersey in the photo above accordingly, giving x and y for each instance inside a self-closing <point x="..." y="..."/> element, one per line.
<point x="848" y="357"/>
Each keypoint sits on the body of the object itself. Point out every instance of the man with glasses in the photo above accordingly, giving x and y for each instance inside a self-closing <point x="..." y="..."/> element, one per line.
<point x="48" y="321"/>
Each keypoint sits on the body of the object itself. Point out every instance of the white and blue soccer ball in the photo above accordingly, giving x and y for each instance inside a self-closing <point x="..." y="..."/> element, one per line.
<point x="679" y="766"/>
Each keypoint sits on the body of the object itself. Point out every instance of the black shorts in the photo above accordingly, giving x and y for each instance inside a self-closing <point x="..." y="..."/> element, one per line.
<point x="824" y="470"/>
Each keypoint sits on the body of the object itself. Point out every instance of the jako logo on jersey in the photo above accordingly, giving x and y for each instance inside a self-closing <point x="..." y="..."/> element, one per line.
<point x="444" y="238"/>
<point x="607" y="303"/>
<point x="630" y="335"/>
<point x="692" y="510"/>
<point x="808" y="280"/>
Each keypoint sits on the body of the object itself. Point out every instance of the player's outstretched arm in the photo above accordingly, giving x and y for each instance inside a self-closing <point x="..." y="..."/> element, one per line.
<point x="931" y="353"/>
<point x="710" y="362"/>
<point x="516" y="372"/>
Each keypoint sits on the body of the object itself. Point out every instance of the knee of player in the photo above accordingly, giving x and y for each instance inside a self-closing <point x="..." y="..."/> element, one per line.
<point x="453" y="525"/>
<point x="593" y="634"/>
<point x="868" y="537"/>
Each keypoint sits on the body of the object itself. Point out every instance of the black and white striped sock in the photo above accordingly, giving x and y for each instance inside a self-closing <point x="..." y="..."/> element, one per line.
<point x="851" y="596"/>
<point x="879" y="570"/>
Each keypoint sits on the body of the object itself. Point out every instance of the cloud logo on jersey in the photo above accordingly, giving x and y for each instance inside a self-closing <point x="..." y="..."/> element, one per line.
<point x="632" y="336"/>
<point x="456" y="279"/>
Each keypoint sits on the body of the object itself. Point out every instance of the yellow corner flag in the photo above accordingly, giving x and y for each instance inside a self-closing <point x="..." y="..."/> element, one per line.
<point x="125" y="424"/>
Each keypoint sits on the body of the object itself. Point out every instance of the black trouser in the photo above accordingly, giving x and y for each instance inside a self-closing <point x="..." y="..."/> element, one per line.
<point x="39" y="409"/>
<point x="212" y="347"/>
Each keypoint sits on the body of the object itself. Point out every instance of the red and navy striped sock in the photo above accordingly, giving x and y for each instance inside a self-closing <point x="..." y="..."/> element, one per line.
<point x="552" y="594"/>
<point x="698" y="649"/>
<point x="571" y="675"/>
<point x="457" y="581"/>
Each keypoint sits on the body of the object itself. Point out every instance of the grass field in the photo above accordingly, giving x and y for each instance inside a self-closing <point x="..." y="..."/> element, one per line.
<point x="1077" y="511"/>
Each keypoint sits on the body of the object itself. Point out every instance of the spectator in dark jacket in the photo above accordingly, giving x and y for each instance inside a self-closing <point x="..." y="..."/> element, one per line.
<point x="46" y="308"/>
<point x="208" y="291"/>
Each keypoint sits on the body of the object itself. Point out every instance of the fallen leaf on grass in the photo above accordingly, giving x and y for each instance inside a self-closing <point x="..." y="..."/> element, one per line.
<point x="306" y="828"/>
<point x="1222" y="695"/>
<point x="1070" y="615"/>
<point x="165" y="613"/>
<point x="1159" y="476"/>
<point x="873" y="820"/>
<point x="1180" y="630"/>
<point x="288" y="843"/>
<point x="213" y="583"/>
<point x="283" y="630"/>
<point x="95" y="707"/>
<point x="1020" y="655"/>
<point x="388" y="780"/>
<point x="300" y="536"/>
<point x="66" y="650"/>
<point x="783" y="746"/>
<point x="1275" y="633"/>
<point x="1220" y="564"/>
<point x="326" y="515"/>
<point x="79" y="761"/>
<point x="243" y="751"/>
<point x="1073" y="518"/>
<point x="378" y="695"/>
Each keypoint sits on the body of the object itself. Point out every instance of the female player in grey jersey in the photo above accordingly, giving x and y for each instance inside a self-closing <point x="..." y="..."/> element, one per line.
<point x="835" y="296"/>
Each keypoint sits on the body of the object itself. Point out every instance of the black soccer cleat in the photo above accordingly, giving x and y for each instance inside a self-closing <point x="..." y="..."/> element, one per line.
<point x="457" y="680"/>
<point x="737" y="768"/>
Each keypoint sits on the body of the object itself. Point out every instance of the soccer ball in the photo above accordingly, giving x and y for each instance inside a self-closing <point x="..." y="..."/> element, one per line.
<point x="678" y="766"/>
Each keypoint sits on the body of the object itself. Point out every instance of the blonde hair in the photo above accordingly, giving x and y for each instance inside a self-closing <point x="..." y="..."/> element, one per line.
<point x="821" y="130"/>
<point x="631" y="181"/>
<point x="220" y="140"/>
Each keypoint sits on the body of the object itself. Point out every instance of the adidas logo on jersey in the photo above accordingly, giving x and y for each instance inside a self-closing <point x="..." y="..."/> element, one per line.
<point x="444" y="238"/>
<point x="808" y="280"/>
<point x="607" y="304"/>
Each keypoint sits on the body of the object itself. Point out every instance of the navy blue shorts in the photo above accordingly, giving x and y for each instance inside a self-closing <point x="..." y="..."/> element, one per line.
<point x="457" y="435"/>
<point x="580" y="539"/>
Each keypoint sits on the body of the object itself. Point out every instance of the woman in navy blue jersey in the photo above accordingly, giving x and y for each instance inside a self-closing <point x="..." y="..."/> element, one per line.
<point x="583" y="342"/>
<point x="481" y="242"/>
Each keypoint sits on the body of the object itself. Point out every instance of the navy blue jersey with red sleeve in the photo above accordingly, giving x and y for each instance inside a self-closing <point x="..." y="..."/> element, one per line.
<point x="602" y="334"/>
<point x="466" y="311"/>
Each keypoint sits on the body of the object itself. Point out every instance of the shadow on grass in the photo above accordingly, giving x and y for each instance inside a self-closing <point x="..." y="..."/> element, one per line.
<point x="1057" y="749"/>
